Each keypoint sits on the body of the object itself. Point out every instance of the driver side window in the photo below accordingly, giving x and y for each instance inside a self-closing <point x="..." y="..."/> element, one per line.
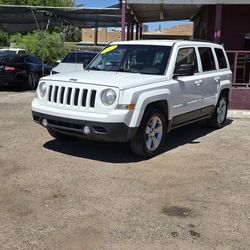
<point x="187" y="56"/>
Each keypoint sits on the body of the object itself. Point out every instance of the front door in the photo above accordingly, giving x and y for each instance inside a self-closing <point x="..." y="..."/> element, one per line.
<point x="187" y="89"/>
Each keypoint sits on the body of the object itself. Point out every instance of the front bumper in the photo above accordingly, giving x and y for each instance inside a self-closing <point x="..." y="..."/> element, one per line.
<point x="100" y="131"/>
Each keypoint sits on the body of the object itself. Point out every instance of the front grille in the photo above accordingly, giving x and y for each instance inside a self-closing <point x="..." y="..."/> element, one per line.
<point x="78" y="97"/>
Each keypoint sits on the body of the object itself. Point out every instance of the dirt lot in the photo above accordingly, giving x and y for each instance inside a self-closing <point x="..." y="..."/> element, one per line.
<point x="88" y="195"/>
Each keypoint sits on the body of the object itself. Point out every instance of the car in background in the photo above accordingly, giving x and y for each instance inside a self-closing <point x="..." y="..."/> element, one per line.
<point x="74" y="61"/>
<point x="23" y="70"/>
<point x="13" y="51"/>
<point x="5" y="56"/>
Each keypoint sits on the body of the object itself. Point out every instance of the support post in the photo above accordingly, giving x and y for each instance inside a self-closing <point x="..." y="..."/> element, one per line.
<point x="137" y="31"/>
<point x="128" y="25"/>
<point x="217" y="28"/>
<point x="132" y="27"/>
<point x="124" y="9"/>
<point x="140" y="31"/>
<point x="96" y="36"/>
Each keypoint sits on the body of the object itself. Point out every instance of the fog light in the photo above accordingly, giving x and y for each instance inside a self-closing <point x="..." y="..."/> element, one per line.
<point x="86" y="130"/>
<point x="45" y="122"/>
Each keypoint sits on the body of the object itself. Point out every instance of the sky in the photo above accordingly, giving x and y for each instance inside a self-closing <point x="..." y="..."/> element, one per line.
<point x="106" y="3"/>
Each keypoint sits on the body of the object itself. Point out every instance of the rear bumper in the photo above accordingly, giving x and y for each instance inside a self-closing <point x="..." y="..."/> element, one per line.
<point x="100" y="131"/>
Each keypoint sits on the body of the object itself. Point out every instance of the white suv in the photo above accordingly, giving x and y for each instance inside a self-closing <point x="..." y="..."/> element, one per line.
<point x="137" y="91"/>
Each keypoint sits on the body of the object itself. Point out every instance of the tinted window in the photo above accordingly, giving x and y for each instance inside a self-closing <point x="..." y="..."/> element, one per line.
<point x="187" y="56"/>
<point x="207" y="59"/>
<point x="32" y="59"/>
<point x="221" y="58"/>
<point x="78" y="57"/>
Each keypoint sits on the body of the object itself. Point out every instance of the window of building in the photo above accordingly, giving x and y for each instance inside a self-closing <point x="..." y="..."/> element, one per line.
<point x="207" y="59"/>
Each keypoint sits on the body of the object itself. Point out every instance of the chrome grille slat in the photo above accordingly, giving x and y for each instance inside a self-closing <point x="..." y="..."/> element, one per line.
<point x="59" y="94"/>
<point x="80" y="98"/>
<point x="65" y="96"/>
<point x="52" y="93"/>
<point x="72" y="96"/>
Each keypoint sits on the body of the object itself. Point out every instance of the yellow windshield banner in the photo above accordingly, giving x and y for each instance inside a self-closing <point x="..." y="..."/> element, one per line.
<point x="109" y="48"/>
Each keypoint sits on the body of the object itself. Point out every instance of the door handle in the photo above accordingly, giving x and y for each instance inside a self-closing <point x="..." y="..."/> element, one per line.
<point x="198" y="83"/>
<point x="217" y="78"/>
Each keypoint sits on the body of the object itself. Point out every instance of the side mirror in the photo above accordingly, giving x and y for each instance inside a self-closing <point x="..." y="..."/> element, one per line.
<point x="184" y="70"/>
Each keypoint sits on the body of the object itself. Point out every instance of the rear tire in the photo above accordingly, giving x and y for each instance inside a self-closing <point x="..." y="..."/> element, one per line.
<point x="219" y="115"/>
<point x="149" y="138"/>
<point x="31" y="81"/>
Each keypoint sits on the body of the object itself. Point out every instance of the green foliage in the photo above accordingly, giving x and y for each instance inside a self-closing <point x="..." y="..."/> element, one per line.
<point x="3" y="39"/>
<point x="45" y="45"/>
<point x="56" y="3"/>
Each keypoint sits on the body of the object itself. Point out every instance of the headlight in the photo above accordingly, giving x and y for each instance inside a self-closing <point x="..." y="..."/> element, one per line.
<point x="42" y="89"/>
<point x="108" y="97"/>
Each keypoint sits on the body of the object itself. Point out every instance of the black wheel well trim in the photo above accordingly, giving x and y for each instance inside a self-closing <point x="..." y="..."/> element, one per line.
<point x="161" y="105"/>
<point x="226" y="93"/>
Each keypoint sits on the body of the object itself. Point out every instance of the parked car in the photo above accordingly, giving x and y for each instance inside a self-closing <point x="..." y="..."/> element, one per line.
<point x="13" y="51"/>
<point x="23" y="70"/>
<point x="5" y="56"/>
<point x="74" y="61"/>
<point x="136" y="92"/>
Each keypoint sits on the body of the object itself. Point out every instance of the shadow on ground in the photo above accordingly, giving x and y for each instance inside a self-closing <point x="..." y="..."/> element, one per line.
<point x="13" y="89"/>
<point x="120" y="152"/>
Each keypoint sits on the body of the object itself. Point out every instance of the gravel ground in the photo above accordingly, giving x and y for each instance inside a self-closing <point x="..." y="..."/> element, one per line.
<point x="91" y="195"/>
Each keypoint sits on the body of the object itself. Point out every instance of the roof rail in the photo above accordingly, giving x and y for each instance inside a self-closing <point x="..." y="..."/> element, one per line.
<point x="203" y="40"/>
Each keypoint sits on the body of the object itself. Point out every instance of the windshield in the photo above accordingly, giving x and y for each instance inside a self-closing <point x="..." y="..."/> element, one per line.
<point x="143" y="59"/>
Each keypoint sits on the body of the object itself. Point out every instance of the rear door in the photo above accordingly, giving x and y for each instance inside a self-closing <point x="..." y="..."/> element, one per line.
<point x="209" y="76"/>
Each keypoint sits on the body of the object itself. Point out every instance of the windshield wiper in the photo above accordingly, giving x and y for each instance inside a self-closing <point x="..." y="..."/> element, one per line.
<point x="93" y="68"/>
<point x="128" y="71"/>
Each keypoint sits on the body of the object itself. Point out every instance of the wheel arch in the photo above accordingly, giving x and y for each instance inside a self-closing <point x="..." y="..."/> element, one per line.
<point x="159" y="99"/>
<point x="226" y="93"/>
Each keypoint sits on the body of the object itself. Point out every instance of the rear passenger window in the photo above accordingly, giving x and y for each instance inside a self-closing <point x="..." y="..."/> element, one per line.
<point x="207" y="59"/>
<point x="221" y="58"/>
<point x="187" y="56"/>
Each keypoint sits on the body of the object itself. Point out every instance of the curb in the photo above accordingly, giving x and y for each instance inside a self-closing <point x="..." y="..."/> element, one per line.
<point x="240" y="114"/>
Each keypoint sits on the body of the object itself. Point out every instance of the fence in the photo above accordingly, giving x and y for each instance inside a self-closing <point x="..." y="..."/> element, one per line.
<point x="240" y="65"/>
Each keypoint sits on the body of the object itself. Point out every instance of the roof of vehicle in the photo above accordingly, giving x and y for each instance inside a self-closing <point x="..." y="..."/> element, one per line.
<point x="11" y="49"/>
<point x="167" y="42"/>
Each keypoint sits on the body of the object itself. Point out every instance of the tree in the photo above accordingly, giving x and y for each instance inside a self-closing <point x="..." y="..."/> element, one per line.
<point x="44" y="45"/>
<point x="56" y="3"/>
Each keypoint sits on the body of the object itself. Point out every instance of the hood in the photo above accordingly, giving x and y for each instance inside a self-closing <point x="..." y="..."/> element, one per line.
<point x="68" y="67"/>
<point x="120" y="80"/>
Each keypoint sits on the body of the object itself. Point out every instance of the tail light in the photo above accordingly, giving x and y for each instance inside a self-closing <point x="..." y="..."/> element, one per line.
<point x="9" y="68"/>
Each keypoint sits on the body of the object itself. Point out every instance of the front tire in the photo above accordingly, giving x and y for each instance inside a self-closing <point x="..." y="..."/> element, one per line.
<point x="149" y="138"/>
<point x="219" y="115"/>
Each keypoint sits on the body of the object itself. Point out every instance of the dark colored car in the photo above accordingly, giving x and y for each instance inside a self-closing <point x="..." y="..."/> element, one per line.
<point x="74" y="61"/>
<point x="23" y="70"/>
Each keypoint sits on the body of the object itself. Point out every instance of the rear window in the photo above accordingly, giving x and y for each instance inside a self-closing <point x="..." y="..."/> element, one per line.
<point x="221" y="58"/>
<point x="207" y="59"/>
